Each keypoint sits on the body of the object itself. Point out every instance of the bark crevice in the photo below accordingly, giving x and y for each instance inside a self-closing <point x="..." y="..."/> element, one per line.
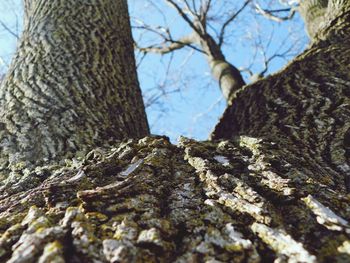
<point x="150" y="201"/>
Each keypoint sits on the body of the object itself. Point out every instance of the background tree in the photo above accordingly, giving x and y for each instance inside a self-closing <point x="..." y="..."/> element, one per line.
<point x="197" y="15"/>
<point x="276" y="190"/>
<point x="238" y="34"/>
<point x="181" y="97"/>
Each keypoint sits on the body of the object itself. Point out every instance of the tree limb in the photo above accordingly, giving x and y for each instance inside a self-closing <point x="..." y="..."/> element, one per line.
<point x="186" y="41"/>
<point x="270" y="13"/>
<point x="228" y="21"/>
<point x="8" y="29"/>
<point x="184" y="16"/>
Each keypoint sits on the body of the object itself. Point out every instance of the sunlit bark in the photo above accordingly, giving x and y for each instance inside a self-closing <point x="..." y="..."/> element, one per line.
<point x="72" y="84"/>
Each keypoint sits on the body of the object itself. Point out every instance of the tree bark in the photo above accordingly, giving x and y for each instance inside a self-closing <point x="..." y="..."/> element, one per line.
<point x="72" y="85"/>
<point x="313" y="13"/>
<point x="306" y="106"/>
<point x="272" y="187"/>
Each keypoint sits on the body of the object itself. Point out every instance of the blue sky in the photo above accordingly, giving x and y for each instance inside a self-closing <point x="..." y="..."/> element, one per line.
<point x="10" y="15"/>
<point x="192" y="103"/>
<point x="196" y="108"/>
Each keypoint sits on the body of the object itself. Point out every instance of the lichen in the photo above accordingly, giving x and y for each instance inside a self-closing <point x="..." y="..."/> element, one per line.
<point x="179" y="204"/>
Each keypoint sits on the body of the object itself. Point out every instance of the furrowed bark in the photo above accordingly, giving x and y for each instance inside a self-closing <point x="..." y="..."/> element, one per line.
<point x="72" y="84"/>
<point x="313" y="13"/>
<point x="305" y="106"/>
<point x="27" y="4"/>
<point x="320" y="15"/>
<point x="244" y="200"/>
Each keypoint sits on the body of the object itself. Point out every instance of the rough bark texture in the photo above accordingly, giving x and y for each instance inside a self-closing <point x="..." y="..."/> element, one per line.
<point x="276" y="191"/>
<point x="322" y="14"/>
<point x="306" y="107"/>
<point x="72" y="85"/>
<point x="149" y="201"/>
<point x="313" y="13"/>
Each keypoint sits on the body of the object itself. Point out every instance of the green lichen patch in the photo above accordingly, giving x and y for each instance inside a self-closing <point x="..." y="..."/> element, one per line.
<point x="150" y="201"/>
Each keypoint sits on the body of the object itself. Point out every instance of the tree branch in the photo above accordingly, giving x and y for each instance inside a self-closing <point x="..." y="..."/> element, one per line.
<point x="270" y="13"/>
<point x="184" y="16"/>
<point x="174" y="45"/>
<point x="186" y="41"/>
<point x="229" y="20"/>
<point x="8" y="29"/>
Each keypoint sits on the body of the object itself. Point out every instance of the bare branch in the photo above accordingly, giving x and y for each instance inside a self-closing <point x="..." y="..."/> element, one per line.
<point x="203" y="13"/>
<point x="206" y="7"/>
<point x="186" y="41"/>
<point x="229" y="20"/>
<point x="184" y="16"/>
<point x="270" y="14"/>
<point x="8" y="29"/>
<point x="169" y="44"/>
<point x="189" y="9"/>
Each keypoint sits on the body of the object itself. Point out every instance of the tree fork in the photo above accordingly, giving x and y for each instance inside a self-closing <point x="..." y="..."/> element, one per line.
<point x="72" y="85"/>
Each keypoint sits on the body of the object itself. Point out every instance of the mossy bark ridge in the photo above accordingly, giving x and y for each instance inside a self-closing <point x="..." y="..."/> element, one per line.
<point x="242" y="200"/>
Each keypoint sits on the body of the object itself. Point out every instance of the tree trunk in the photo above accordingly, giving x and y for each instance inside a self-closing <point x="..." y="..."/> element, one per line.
<point x="229" y="77"/>
<point x="305" y="108"/>
<point x="277" y="190"/>
<point x="72" y="85"/>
